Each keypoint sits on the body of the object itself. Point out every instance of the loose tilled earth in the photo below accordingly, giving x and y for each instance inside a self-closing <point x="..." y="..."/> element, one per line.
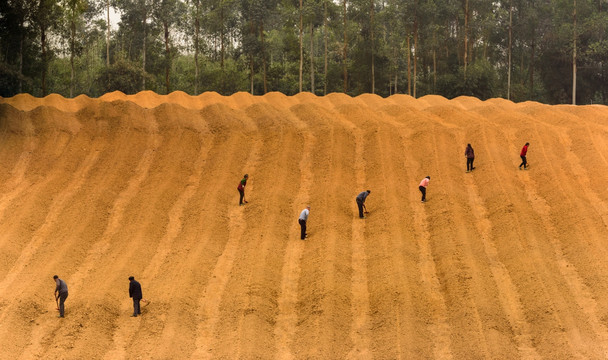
<point x="500" y="263"/>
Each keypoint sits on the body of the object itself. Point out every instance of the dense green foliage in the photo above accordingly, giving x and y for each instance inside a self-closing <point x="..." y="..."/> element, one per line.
<point x="517" y="49"/>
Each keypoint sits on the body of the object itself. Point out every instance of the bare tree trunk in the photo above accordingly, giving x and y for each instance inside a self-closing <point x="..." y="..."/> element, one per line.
<point x="466" y="34"/>
<point x="44" y="60"/>
<point x="301" y="49"/>
<point x="434" y="61"/>
<point x="222" y="37"/>
<point x="409" y="69"/>
<point x="532" y="61"/>
<point x="312" y="59"/>
<point x="72" y="41"/>
<point x="372" y="38"/>
<point x="345" y="51"/>
<point x="251" y="71"/>
<point x="143" y="65"/>
<point x="108" y="34"/>
<point x="263" y="57"/>
<point x="415" y="49"/>
<point x="510" y="49"/>
<point x="21" y="60"/>
<point x="574" y="56"/>
<point x="197" y="26"/>
<point x="325" y="41"/>
<point x="167" y="57"/>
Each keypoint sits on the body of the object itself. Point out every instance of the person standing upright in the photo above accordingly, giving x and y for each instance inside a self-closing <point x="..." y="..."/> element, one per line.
<point x="241" y="189"/>
<point x="135" y="293"/>
<point x="61" y="293"/>
<point x="360" y="199"/>
<point x="470" y="154"/>
<point x="302" y="221"/>
<point x="422" y="187"/>
<point x="522" y="154"/>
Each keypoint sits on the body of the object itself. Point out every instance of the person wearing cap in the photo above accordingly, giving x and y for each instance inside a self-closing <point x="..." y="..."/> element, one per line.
<point x="135" y="293"/>
<point x="522" y="155"/>
<point x="422" y="187"/>
<point x="61" y="293"/>
<point x="302" y="221"/>
<point x="360" y="199"/>
<point x="241" y="189"/>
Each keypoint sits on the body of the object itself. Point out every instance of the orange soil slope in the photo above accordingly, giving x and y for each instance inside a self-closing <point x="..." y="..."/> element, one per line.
<point x="499" y="263"/>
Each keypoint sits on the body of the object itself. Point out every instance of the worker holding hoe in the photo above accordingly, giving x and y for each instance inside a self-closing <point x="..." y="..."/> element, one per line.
<point x="241" y="189"/>
<point x="61" y="293"/>
<point x="360" y="199"/>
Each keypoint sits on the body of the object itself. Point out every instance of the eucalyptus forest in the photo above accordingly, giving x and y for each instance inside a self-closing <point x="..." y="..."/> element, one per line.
<point x="551" y="51"/>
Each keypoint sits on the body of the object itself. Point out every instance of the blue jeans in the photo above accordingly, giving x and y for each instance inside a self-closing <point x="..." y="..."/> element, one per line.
<point x="62" y="297"/>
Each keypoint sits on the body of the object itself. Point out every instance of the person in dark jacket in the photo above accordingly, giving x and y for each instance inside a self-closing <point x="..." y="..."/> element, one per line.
<point x="61" y="293"/>
<point x="360" y="199"/>
<point x="470" y="154"/>
<point x="241" y="189"/>
<point x="135" y="293"/>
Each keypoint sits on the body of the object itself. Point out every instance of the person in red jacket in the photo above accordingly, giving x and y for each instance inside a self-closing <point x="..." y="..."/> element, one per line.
<point x="523" y="153"/>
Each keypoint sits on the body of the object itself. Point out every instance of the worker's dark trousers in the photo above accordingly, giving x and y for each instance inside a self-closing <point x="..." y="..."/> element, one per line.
<point x="470" y="163"/>
<point x="423" y="191"/>
<point x="62" y="297"/>
<point x="302" y="228"/>
<point x="242" y="193"/>
<point x="524" y="162"/>
<point x="136" y="308"/>
<point x="360" y="206"/>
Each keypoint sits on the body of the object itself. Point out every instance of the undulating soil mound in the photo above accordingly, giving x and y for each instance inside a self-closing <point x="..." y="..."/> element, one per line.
<point x="500" y="263"/>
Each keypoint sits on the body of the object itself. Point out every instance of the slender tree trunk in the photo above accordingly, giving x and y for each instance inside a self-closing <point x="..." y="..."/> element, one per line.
<point x="510" y="50"/>
<point x="574" y="36"/>
<point x="21" y="60"/>
<point x="222" y="36"/>
<point x="434" y="61"/>
<point x="301" y="48"/>
<point x="252" y="33"/>
<point x="44" y="60"/>
<point x="197" y="26"/>
<point x="108" y="34"/>
<point x="143" y="63"/>
<point x="532" y="63"/>
<point x="72" y="41"/>
<point x="372" y="38"/>
<point x="325" y="41"/>
<point x="345" y="50"/>
<point x="466" y="39"/>
<point x="415" y="80"/>
<point x="167" y="57"/>
<point x="312" y="59"/>
<point x="263" y="57"/>
<point x="409" y="68"/>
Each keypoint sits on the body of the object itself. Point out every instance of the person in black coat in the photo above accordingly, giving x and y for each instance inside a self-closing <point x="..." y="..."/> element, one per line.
<point x="135" y="293"/>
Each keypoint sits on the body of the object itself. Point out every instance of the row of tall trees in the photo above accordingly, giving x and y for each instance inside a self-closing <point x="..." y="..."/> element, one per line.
<point x="553" y="51"/>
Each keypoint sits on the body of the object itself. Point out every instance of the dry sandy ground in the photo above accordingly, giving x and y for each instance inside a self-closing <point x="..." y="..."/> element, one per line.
<point x="498" y="264"/>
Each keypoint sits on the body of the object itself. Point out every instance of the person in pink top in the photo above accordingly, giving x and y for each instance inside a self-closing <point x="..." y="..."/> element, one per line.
<point x="423" y="184"/>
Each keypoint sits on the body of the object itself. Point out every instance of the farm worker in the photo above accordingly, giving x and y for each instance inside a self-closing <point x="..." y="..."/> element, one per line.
<point x="135" y="293"/>
<point x="470" y="154"/>
<point x="422" y="187"/>
<point x="302" y="221"/>
<point x="360" y="199"/>
<point x="523" y="153"/>
<point x="241" y="189"/>
<point x="61" y="293"/>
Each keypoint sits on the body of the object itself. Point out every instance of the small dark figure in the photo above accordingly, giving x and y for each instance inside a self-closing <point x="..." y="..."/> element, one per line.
<point x="241" y="189"/>
<point x="470" y="154"/>
<point x="523" y="153"/>
<point x="61" y="293"/>
<point x="302" y="221"/>
<point x="135" y="293"/>
<point x="361" y="203"/>
<point x="422" y="187"/>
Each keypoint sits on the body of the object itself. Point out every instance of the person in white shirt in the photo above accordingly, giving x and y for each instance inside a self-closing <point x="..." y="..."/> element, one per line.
<point x="302" y="221"/>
